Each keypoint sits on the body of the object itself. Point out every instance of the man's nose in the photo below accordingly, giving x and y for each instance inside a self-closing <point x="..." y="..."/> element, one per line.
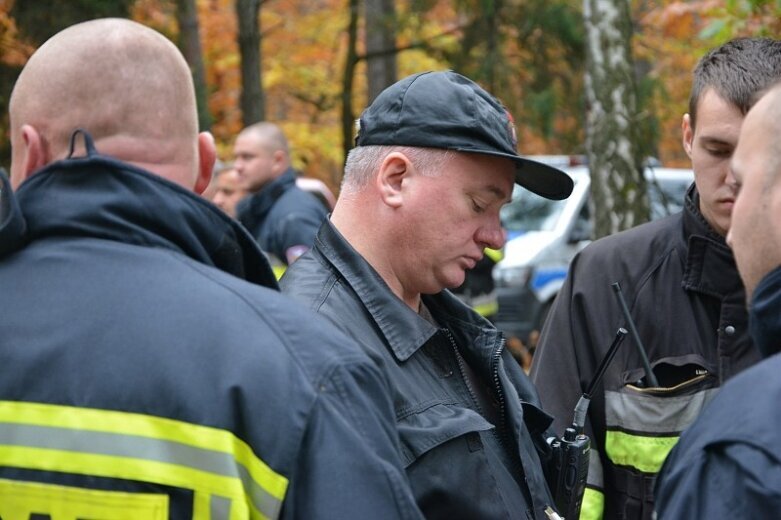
<point x="491" y="236"/>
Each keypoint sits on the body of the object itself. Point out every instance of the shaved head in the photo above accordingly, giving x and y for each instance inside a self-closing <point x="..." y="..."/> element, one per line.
<point x="124" y="83"/>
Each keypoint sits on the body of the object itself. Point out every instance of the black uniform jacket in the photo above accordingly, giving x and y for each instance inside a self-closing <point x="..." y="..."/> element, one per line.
<point x="142" y="375"/>
<point x="463" y="460"/>
<point x="683" y="291"/>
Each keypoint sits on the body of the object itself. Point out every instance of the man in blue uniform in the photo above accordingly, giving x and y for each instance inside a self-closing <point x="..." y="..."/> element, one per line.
<point x="728" y="464"/>
<point x="146" y="371"/>
<point x="283" y="218"/>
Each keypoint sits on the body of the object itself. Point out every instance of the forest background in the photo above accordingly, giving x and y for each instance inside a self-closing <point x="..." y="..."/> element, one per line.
<point x="319" y="62"/>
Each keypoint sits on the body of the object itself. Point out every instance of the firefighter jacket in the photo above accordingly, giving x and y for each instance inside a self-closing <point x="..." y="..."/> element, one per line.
<point x="143" y="378"/>
<point x="683" y="292"/>
<point x="728" y="464"/>
<point x="468" y="454"/>
<point x="283" y="218"/>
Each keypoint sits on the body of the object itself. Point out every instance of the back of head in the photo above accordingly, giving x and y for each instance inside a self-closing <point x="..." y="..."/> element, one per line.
<point x="124" y="83"/>
<point x="736" y="71"/>
<point x="269" y="135"/>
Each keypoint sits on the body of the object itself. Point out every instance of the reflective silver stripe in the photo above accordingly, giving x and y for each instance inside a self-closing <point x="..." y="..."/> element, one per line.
<point x="219" y="508"/>
<point x="654" y="414"/>
<point x="595" y="477"/>
<point x="145" y="448"/>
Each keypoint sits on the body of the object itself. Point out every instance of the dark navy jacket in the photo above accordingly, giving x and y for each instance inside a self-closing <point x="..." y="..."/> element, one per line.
<point x="283" y="218"/>
<point x="466" y="457"/>
<point x="134" y="358"/>
<point x="728" y="464"/>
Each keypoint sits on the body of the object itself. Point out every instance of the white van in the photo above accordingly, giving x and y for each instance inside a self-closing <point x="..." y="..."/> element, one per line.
<point x="544" y="235"/>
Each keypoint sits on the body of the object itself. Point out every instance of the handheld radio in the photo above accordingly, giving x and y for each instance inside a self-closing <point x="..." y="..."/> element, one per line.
<point x="567" y="469"/>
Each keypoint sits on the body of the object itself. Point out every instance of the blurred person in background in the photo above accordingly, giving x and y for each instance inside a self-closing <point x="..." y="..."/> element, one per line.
<point x="228" y="190"/>
<point x="283" y="218"/>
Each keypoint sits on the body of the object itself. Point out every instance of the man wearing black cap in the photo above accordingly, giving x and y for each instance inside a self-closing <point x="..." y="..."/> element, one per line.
<point x="435" y="161"/>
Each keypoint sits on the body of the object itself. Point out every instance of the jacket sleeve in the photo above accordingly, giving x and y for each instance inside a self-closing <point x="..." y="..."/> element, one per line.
<point x="296" y="230"/>
<point x="721" y="481"/>
<point x="562" y="367"/>
<point x="349" y="465"/>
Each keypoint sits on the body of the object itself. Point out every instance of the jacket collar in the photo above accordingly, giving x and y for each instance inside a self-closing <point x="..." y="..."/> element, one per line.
<point x="100" y="197"/>
<point x="764" y="318"/>
<point x="12" y="224"/>
<point x="252" y="210"/>
<point x="404" y="330"/>
<point x="710" y="264"/>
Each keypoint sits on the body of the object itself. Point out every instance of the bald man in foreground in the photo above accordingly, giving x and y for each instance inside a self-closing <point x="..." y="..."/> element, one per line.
<point x="146" y="371"/>
<point x="728" y="463"/>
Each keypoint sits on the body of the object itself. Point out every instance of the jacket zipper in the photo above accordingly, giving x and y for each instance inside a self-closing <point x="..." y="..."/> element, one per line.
<point x="504" y="438"/>
<point x="501" y="429"/>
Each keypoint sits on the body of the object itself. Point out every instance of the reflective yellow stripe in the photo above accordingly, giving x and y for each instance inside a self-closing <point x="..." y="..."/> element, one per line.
<point x="487" y="309"/>
<point x="140" y="447"/>
<point x="593" y="505"/>
<point x="20" y="500"/>
<point x="493" y="254"/>
<point x="201" y="506"/>
<point x="279" y="270"/>
<point x="644" y="453"/>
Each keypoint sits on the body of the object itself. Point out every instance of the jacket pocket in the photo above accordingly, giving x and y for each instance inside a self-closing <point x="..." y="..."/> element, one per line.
<point x="644" y="423"/>
<point x="426" y="429"/>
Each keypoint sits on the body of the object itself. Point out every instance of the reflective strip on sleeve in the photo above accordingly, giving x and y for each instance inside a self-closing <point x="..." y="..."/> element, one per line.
<point x="212" y="462"/>
<point x="494" y="254"/>
<point x="487" y="309"/>
<point x="593" y="505"/>
<point x="644" y="453"/>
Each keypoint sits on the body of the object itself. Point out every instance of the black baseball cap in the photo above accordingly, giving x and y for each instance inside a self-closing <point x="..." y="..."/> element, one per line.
<point x="449" y="111"/>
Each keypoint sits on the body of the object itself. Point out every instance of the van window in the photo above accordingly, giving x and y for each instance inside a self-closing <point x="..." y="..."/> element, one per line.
<point x="666" y="195"/>
<point x="530" y="212"/>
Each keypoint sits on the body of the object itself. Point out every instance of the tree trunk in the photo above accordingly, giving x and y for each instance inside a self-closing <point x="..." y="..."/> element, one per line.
<point x="618" y="193"/>
<point x="252" y="99"/>
<point x="381" y="68"/>
<point x="351" y="60"/>
<point x="190" y="45"/>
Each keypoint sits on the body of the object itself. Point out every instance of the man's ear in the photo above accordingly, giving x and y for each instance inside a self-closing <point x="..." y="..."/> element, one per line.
<point x="394" y="170"/>
<point x="279" y="161"/>
<point x="34" y="153"/>
<point x="688" y="134"/>
<point x="207" y="155"/>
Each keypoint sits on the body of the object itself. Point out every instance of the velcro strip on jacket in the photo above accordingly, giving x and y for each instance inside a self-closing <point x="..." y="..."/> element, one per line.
<point x="642" y="428"/>
<point x="228" y="480"/>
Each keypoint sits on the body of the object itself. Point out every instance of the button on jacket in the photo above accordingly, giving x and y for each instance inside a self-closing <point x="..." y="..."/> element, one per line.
<point x="141" y="374"/>
<point x="459" y="463"/>
<point x="683" y="291"/>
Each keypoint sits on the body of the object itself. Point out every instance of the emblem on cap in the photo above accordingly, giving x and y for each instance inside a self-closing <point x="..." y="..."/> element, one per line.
<point x="511" y="128"/>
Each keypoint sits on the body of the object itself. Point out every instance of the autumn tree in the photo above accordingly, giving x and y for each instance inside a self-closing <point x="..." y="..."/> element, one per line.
<point x="381" y="48"/>
<point x="190" y="45"/>
<point x="252" y="98"/>
<point x="618" y="193"/>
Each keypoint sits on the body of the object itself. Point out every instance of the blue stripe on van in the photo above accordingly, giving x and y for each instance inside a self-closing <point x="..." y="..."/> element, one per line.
<point x="542" y="277"/>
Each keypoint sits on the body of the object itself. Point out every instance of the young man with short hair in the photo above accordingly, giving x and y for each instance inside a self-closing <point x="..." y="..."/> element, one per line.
<point x="683" y="292"/>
